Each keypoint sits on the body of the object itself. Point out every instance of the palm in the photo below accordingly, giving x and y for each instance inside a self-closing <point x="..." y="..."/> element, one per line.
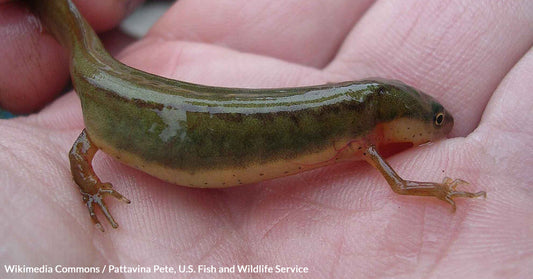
<point x="338" y="221"/>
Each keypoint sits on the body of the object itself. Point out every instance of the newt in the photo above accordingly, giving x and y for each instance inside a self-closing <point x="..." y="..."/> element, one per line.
<point x="204" y="136"/>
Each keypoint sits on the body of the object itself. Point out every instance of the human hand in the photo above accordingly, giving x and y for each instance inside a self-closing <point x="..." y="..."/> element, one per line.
<point x="339" y="221"/>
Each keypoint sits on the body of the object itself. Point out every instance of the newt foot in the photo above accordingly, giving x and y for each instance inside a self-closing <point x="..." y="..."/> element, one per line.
<point x="447" y="191"/>
<point x="91" y="200"/>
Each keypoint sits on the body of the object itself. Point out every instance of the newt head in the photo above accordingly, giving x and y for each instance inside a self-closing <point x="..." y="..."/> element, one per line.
<point x="408" y="117"/>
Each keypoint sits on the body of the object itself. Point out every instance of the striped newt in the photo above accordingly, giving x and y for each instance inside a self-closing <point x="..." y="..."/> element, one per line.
<point x="204" y="136"/>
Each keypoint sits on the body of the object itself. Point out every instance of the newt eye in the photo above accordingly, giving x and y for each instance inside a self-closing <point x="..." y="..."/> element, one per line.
<point x="439" y="118"/>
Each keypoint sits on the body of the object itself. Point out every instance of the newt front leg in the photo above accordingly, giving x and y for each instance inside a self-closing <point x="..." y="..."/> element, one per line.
<point x="445" y="191"/>
<point x="91" y="188"/>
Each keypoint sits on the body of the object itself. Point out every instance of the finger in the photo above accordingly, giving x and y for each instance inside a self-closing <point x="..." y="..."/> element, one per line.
<point x="103" y="15"/>
<point x="33" y="68"/>
<point x="216" y="66"/>
<point x="508" y="117"/>
<point x="500" y="158"/>
<point x="306" y="32"/>
<point x="456" y="52"/>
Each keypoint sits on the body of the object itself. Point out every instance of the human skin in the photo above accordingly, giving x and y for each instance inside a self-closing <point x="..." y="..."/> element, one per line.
<point x="475" y="57"/>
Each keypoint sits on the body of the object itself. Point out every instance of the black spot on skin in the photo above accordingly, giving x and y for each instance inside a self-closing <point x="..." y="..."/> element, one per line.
<point x="299" y="167"/>
<point x="408" y="128"/>
<point x="261" y="174"/>
<point x="234" y="175"/>
<point x="205" y="183"/>
<point x="364" y="153"/>
<point x="420" y="134"/>
<point x="359" y="147"/>
<point x="286" y="172"/>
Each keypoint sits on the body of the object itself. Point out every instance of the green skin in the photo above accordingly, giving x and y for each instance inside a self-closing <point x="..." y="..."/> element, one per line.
<point x="220" y="130"/>
<point x="194" y="128"/>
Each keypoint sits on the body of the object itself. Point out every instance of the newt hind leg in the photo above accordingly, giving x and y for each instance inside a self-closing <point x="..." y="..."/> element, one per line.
<point x="446" y="191"/>
<point x="91" y="188"/>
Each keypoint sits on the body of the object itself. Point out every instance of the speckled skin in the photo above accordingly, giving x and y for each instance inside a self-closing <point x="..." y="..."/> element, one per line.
<point x="203" y="136"/>
<point x="194" y="127"/>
